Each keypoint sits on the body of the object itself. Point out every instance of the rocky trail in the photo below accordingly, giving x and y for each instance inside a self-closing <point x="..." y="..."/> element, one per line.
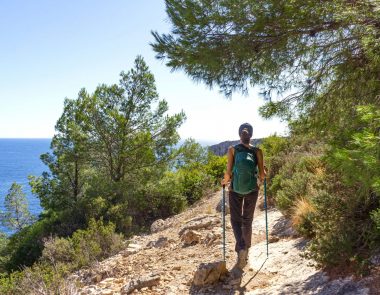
<point x="165" y="261"/>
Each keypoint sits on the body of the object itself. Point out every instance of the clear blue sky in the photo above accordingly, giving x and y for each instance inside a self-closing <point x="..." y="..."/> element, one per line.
<point x="51" y="49"/>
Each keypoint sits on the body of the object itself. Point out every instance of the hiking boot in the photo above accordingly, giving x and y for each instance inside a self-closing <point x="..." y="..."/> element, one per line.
<point x="242" y="259"/>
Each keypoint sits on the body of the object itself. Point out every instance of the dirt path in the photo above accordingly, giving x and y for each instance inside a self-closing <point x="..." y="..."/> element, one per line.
<point x="164" y="262"/>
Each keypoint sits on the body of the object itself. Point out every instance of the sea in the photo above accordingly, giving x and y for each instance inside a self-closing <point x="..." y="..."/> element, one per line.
<point x="20" y="158"/>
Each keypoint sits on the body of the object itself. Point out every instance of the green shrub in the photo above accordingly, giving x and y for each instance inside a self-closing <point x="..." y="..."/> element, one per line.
<point x="291" y="189"/>
<point x="358" y="159"/>
<point x="215" y="167"/>
<point x="166" y="196"/>
<point x="58" y="250"/>
<point x="299" y="177"/>
<point x="333" y="243"/>
<point x="274" y="149"/>
<point x="320" y="189"/>
<point x="195" y="183"/>
<point x="96" y="242"/>
<point x="60" y="257"/>
<point x="199" y="171"/>
<point x="348" y="211"/>
<point x="25" y="246"/>
<point x="9" y="283"/>
<point x="41" y="278"/>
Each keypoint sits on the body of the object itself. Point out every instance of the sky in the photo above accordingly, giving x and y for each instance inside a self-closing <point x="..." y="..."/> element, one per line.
<point x="51" y="49"/>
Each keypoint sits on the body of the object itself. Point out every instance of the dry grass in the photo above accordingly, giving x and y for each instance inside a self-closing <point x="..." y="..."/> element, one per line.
<point x="320" y="172"/>
<point x="301" y="210"/>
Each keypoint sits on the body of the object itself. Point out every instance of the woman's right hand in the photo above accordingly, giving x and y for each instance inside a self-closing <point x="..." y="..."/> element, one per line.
<point x="226" y="179"/>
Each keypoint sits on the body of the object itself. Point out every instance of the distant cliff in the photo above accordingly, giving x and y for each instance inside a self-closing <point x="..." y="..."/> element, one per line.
<point x="220" y="149"/>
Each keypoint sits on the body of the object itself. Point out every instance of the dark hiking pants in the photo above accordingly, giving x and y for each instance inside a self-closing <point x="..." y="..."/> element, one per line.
<point x="242" y="208"/>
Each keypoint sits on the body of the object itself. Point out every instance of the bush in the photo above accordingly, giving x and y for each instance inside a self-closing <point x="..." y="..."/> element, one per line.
<point x="215" y="167"/>
<point x="96" y="242"/>
<point x="274" y="149"/>
<point x="199" y="171"/>
<point x="60" y="257"/>
<point x="320" y="188"/>
<point x="333" y="243"/>
<point x="347" y="223"/>
<point x="41" y="278"/>
<point x="195" y="183"/>
<point x="9" y="283"/>
<point x="301" y="175"/>
<point x="166" y="196"/>
<point x="25" y="246"/>
<point x="58" y="251"/>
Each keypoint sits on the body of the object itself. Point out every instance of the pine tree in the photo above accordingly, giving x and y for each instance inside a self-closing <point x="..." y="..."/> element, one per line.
<point x="319" y="58"/>
<point x="17" y="214"/>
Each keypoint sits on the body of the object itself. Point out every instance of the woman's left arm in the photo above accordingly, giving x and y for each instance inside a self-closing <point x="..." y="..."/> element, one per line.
<point x="260" y="164"/>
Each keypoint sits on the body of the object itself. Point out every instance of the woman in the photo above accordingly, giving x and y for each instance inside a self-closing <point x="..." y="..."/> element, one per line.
<point x="245" y="172"/>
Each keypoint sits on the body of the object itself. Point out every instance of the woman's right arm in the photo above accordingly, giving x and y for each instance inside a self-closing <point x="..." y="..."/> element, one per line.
<point x="230" y="162"/>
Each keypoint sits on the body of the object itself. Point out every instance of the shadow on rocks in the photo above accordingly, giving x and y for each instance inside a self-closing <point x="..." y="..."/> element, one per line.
<point x="283" y="228"/>
<point x="319" y="284"/>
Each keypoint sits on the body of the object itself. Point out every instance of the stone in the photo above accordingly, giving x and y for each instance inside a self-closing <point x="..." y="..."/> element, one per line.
<point x="195" y="224"/>
<point x="191" y="237"/>
<point x="131" y="249"/>
<point x="162" y="242"/>
<point x="209" y="273"/>
<point x="211" y="239"/>
<point x="157" y="226"/>
<point x="97" y="278"/>
<point x="273" y="239"/>
<point x="108" y="292"/>
<point x="143" y="282"/>
<point x="134" y="246"/>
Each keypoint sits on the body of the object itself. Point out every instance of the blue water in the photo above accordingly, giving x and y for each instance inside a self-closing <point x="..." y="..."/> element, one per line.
<point x="20" y="158"/>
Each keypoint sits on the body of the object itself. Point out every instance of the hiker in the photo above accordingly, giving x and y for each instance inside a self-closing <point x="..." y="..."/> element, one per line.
<point x="245" y="172"/>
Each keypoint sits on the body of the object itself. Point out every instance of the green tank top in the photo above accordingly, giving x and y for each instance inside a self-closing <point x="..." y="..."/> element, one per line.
<point x="244" y="172"/>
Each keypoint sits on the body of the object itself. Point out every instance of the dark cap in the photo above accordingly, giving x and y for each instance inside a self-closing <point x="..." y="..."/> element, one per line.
<point x="249" y="128"/>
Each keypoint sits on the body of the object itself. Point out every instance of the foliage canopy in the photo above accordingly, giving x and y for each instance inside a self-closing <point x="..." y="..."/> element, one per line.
<point x="309" y="56"/>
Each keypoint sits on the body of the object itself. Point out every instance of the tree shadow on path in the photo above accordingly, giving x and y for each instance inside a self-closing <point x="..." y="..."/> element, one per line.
<point x="242" y="289"/>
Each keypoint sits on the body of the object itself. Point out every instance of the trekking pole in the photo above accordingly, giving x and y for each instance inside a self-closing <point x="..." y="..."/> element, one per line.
<point x="266" y="212"/>
<point x="224" y="222"/>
